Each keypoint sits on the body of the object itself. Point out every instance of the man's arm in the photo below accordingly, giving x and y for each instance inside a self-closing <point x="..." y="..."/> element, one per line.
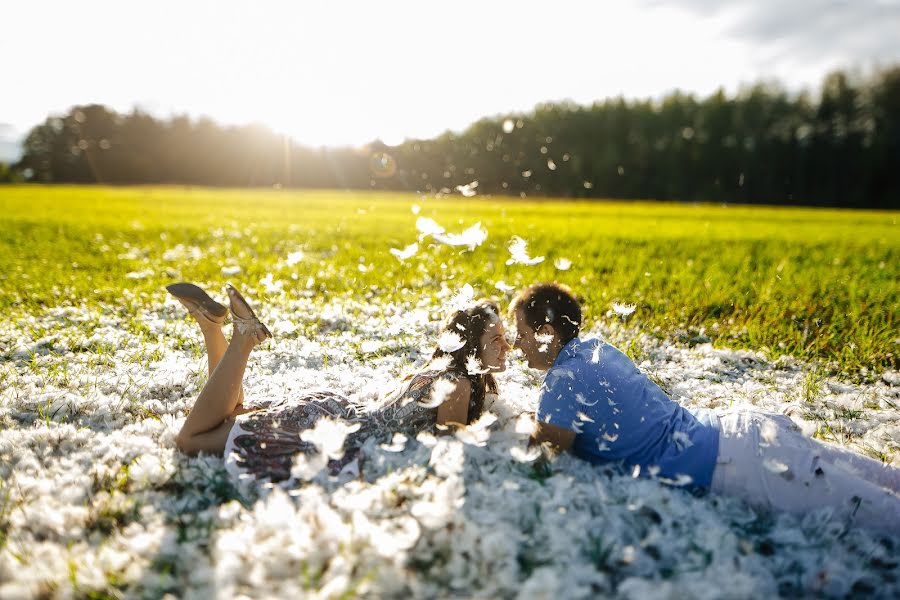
<point x="559" y="437"/>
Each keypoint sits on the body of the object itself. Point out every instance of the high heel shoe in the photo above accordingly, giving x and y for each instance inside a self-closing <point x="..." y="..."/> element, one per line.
<point x="245" y="325"/>
<point x="196" y="300"/>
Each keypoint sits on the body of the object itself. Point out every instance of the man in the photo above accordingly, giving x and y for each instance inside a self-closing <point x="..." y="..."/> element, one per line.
<point x="596" y="403"/>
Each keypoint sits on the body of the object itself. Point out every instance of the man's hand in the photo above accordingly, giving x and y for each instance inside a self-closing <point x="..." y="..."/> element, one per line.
<point x="561" y="438"/>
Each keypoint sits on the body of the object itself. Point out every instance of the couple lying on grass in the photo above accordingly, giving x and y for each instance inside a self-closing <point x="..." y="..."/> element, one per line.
<point x="593" y="401"/>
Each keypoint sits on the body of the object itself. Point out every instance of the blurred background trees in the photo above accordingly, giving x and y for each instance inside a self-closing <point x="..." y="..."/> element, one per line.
<point x="761" y="146"/>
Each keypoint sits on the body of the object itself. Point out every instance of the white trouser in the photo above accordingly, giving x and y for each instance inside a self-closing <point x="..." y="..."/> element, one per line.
<point x="765" y="459"/>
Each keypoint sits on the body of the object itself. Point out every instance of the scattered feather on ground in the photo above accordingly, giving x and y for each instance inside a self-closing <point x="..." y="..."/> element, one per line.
<point x="94" y="499"/>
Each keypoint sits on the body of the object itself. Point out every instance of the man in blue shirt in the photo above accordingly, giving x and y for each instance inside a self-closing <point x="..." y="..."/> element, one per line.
<point x="595" y="402"/>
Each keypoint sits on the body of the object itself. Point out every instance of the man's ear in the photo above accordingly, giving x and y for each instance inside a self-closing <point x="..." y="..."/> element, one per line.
<point x="546" y="329"/>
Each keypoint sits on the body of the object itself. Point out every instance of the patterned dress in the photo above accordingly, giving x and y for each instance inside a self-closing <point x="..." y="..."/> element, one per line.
<point x="262" y="444"/>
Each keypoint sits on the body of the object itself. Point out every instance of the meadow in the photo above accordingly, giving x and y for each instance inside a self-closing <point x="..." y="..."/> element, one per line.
<point x="771" y="307"/>
<point x="819" y="285"/>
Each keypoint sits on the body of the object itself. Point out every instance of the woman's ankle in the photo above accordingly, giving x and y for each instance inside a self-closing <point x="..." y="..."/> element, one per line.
<point x="243" y="341"/>
<point x="213" y="335"/>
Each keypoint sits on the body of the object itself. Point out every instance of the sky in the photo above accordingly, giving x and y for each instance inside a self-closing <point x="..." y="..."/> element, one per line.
<point x="346" y="72"/>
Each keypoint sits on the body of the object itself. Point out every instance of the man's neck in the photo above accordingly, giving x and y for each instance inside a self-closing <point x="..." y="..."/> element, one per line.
<point x="553" y="353"/>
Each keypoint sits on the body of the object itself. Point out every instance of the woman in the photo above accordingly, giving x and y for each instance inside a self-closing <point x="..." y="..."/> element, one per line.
<point x="263" y="444"/>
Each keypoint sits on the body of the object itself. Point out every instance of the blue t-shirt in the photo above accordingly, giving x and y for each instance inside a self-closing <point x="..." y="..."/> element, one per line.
<point x="619" y="414"/>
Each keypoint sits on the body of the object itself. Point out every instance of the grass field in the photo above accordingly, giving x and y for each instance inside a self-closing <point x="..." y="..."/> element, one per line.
<point x="771" y="308"/>
<point x="820" y="285"/>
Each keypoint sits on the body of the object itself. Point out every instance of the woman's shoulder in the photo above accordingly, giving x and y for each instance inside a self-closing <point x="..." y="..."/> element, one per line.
<point x="428" y="377"/>
<point x="462" y="383"/>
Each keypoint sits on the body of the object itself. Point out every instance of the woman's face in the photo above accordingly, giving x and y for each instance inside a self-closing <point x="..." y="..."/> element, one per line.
<point x="494" y="346"/>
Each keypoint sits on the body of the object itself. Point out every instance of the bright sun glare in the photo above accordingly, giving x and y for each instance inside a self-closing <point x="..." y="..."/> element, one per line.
<point x="350" y="72"/>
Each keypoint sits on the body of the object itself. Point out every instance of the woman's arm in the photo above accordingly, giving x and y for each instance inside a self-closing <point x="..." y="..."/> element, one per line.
<point x="455" y="408"/>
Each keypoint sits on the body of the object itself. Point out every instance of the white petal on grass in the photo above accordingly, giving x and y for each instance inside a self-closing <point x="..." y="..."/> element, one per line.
<point x="407" y="252"/>
<point x="231" y="270"/>
<point x="427" y="226"/>
<point x="467" y="190"/>
<point x="294" y="257"/>
<point x="370" y="346"/>
<point x="276" y="534"/>
<point x="623" y="309"/>
<point x="270" y="284"/>
<point x="440" y="391"/>
<point x="504" y="287"/>
<point x="450" y="341"/>
<point x="518" y="249"/>
<point x="415" y="208"/>
<point x="284" y="327"/>
<point x="139" y="274"/>
<point x="472" y="237"/>
<point x="563" y="264"/>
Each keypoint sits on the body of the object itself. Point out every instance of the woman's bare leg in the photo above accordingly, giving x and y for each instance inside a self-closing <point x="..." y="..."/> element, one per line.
<point x="207" y="425"/>
<point x="219" y="398"/>
<point x="216" y="344"/>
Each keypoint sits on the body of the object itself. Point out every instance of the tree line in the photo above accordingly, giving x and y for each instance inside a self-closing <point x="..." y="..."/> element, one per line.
<point x="762" y="145"/>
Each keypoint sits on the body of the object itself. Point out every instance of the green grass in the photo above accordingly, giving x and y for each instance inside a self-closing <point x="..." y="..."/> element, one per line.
<point x="817" y="284"/>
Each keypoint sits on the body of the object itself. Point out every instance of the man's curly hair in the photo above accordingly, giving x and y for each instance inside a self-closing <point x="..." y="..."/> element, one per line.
<point x="551" y="303"/>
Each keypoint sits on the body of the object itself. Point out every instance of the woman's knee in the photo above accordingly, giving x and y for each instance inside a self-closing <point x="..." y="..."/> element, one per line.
<point x="212" y="441"/>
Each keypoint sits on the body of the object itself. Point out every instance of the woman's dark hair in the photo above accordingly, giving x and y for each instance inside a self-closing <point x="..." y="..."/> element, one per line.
<point x="470" y="324"/>
<point x="551" y="303"/>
